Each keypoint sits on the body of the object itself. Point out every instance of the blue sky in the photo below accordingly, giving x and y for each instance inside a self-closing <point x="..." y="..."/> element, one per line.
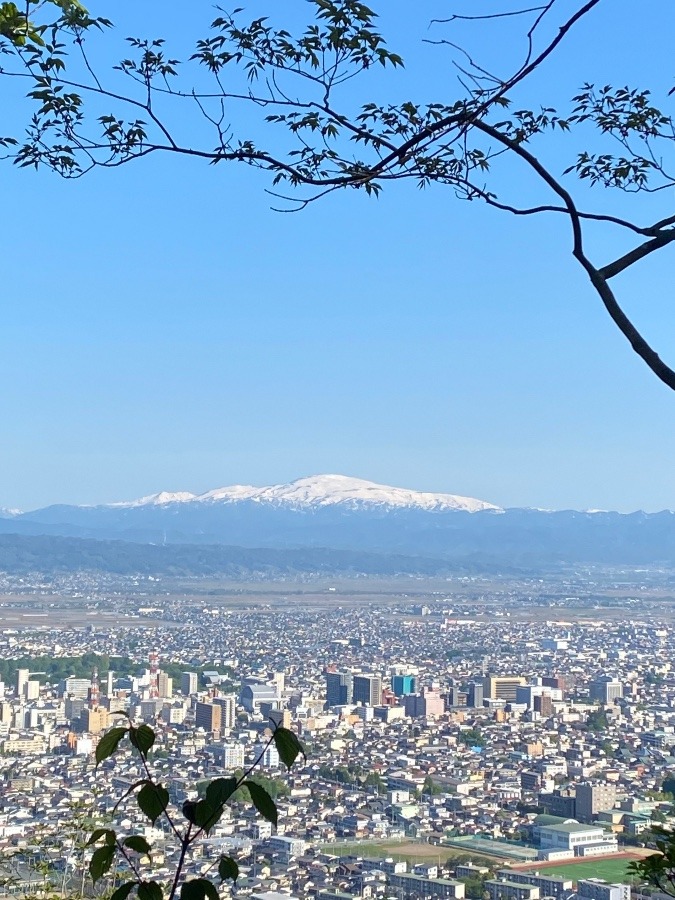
<point x="163" y="329"/>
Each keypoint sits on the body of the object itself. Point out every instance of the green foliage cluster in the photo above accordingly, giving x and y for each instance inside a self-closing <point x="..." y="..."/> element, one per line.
<point x="474" y="887"/>
<point x="275" y="787"/>
<point x="472" y="737"/>
<point x="58" y="668"/>
<point x="343" y="774"/>
<point x="353" y="774"/>
<point x="55" y="669"/>
<point x="189" y="825"/>
<point x="597" y="721"/>
<point x="430" y="787"/>
<point x="658" y="869"/>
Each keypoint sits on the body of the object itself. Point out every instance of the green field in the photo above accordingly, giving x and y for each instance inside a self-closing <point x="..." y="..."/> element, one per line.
<point x="613" y="870"/>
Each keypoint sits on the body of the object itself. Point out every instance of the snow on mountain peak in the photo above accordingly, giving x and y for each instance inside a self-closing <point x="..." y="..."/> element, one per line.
<point x="160" y="499"/>
<point x="322" y="491"/>
<point x="333" y="490"/>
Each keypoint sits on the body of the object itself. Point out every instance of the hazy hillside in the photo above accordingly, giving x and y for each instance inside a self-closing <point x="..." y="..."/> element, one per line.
<point x="20" y="554"/>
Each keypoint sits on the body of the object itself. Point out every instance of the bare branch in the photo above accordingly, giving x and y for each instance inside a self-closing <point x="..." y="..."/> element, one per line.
<point x="598" y="280"/>
<point x="633" y="256"/>
<point x="504" y="15"/>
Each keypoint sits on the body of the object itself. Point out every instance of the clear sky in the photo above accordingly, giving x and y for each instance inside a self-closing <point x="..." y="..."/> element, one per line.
<point x="163" y="329"/>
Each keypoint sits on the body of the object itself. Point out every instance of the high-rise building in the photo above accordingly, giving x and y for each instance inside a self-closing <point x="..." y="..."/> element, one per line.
<point x="268" y="756"/>
<point x="94" y="692"/>
<point x="164" y="686"/>
<point x="456" y="697"/>
<point x="31" y="689"/>
<point x="414" y="705"/>
<point x="368" y="689"/>
<point x="76" y="687"/>
<point x="339" y="688"/>
<point x="173" y="714"/>
<point x="94" y="719"/>
<point x="189" y="683"/>
<point x="208" y="716"/>
<point x="280" y="718"/>
<point x="554" y="681"/>
<point x="502" y="687"/>
<point x="22" y="676"/>
<point x="434" y="704"/>
<point x="592" y="799"/>
<point x="154" y="673"/>
<point x="543" y="704"/>
<point x="538" y="698"/>
<point x="227" y="705"/>
<point x="73" y="708"/>
<point x="475" y="694"/>
<point x="229" y="756"/>
<point x="150" y="708"/>
<point x="403" y="684"/>
<point x="605" y="689"/>
<point x="428" y="703"/>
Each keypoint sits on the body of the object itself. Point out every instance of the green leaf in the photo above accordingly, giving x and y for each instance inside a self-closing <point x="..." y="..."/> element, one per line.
<point x="153" y="799"/>
<point x="190" y="811"/>
<point x="138" y="843"/>
<point x="149" y="890"/>
<point x="101" y="861"/>
<point x="227" y="868"/>
<point x="288" y="746"/>
<point x="143" y="738"/>
<point x="262" y="802"/>
<point x="96" y="835"/>
<point x="198" y="889"/>
<point x="108" y="743"/>
<point x="220" y="790"/>
<point x="205" y="816"/>
<point x="123" y="891"/>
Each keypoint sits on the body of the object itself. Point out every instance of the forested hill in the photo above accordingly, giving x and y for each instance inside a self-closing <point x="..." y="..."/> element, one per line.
<point x="21" y="554"/>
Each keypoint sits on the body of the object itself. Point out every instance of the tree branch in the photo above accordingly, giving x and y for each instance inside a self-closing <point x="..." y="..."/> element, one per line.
<point x="597" y="279"/>
<point x="633" y="256"/>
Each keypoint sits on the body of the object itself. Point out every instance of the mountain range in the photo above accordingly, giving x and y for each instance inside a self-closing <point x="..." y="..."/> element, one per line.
<point x="334" y="512"/>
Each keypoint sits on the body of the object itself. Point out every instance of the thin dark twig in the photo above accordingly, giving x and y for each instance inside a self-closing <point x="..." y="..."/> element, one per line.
<point x="504" y="15"/>
<point x="131" y="863"/>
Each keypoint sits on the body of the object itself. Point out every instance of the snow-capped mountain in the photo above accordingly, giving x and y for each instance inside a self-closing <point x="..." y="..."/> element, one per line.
<point x="348" y="514"/>
<point x="321" y="491"/>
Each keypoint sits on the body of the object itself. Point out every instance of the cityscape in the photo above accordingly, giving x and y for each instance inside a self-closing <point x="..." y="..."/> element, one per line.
<point x="466" y="737"/>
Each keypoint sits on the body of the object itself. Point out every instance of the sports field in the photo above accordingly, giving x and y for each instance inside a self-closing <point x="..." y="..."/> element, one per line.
<point x="406" y="850"/>
<point x="612" y="870"/>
